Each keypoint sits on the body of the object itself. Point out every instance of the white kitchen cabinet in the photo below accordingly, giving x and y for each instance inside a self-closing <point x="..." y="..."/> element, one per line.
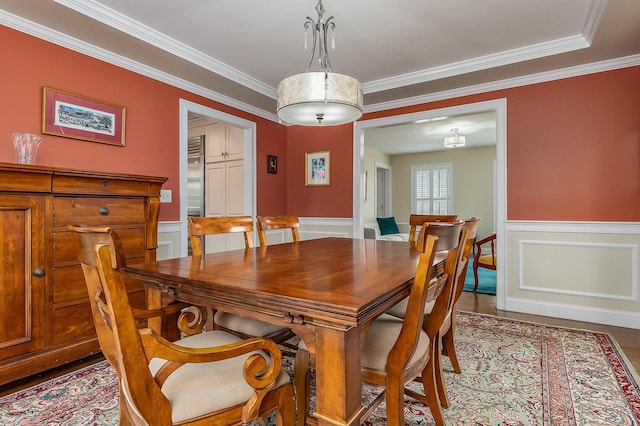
<point x="224" y="183"/>
<point x="224" y="142"/>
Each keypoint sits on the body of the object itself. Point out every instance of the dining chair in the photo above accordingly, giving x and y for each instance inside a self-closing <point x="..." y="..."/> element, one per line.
<point x="200" y="227"/>
<point x="448" y="336"/>
<point x="395" y="351"/>
<point x="416" y="220"/>
<point x="438" y="313"/>
<point x="266" y="223"/>
<point x="205" y="378"/>
<point x="241" y="326"/>
<point x="487" y="261"/>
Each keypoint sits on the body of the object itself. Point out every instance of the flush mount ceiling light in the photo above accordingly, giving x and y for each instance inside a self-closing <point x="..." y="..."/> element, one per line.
<point x="454" y="140"/>
<point x="315" y="98"/>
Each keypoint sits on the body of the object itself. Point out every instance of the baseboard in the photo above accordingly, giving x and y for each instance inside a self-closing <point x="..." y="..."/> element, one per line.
<point x="574" y="312"/>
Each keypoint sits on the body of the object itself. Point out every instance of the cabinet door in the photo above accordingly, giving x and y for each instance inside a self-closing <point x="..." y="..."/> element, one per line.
<point x="215" y="142"/>
<point x="225" y="197"/>
<point x="235" y="143"/>
<point x="22" y="274"/>
<point x="215" y="189"/>
<point x="235" y="188"/>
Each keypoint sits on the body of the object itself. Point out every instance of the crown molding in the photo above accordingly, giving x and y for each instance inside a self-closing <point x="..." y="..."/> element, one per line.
<point x="596" y="11"/>
<point x="136" y="29"/>
<point x="534" y="51"/>
<point x="28" y="27"/>
<point x="608" y="65"/>
<point x="478" y="64"/>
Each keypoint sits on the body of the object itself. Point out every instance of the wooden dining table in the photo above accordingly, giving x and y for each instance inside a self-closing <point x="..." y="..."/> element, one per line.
<point x="326" y="290"/>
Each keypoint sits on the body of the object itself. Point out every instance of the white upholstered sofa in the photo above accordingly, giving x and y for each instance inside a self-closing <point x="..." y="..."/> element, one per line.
<point x="372" y="231"/>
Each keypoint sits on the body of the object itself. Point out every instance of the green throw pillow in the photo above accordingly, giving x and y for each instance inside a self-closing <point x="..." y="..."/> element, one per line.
<point x="387" y="225"/>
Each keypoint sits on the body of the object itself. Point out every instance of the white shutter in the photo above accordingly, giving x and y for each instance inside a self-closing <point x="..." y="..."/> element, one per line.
<point x="432" y="188"/>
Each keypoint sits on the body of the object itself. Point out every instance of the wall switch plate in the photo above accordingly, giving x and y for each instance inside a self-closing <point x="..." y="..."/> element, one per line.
<point x="165" y="195"/>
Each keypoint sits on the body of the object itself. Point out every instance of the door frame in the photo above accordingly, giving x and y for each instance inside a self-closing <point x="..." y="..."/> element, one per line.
<point x="249" y="137"/>
<point x="500" y="108"/>
<point x="387" y="188"/>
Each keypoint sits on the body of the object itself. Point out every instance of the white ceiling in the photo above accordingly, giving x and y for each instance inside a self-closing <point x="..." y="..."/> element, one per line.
<point x="236" y="51"/>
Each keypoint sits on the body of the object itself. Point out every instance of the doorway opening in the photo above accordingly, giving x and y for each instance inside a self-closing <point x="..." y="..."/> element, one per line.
<point x="187" y="109"/>
<point x="382" y="190"/>
<point x="499" y="106"/>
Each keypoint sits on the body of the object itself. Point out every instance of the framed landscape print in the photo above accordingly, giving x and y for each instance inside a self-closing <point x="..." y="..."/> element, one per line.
<point x="79" y="117"/>
<point x="318" y="168"/>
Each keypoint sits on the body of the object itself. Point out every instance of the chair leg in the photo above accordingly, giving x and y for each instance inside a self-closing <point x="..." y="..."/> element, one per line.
<point x="395" y="404"/>
<point x="302" y="381"/>
<point x="286" y="412"/>
<point x="431" y="392"/>
<point x="449" y="347"/>
<point x="475" y="277"/>
<point x="437" y="371"/>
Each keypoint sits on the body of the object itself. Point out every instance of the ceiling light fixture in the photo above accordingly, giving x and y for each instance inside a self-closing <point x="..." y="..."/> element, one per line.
<point x="323" y="97"/>
<point x="454" y="140"/>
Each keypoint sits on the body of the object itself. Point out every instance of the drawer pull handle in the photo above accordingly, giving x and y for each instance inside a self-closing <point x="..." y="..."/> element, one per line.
<point x="105" y="182"/>
<point x="38" y="272"/>
<point x="104" y="211"/>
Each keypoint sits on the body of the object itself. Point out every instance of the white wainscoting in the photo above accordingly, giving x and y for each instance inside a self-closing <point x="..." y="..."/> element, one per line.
<point x="168" y="240"/>
<point x="584" y="271"/>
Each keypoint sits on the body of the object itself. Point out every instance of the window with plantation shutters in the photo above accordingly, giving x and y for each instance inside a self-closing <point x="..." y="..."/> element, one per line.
<point x="432" y="188"/>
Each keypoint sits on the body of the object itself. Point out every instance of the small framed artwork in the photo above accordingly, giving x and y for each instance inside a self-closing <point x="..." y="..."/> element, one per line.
<point x="272" y="164"/>
<point x="79" y="117"/>
<point x="318" y="168"/>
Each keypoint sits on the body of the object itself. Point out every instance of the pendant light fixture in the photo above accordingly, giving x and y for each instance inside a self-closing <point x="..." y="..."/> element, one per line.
<point x="454" y="140"/>
<point x="315" y="98"/>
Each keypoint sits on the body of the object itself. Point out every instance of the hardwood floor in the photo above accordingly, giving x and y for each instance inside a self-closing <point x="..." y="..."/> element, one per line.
<point x="627" y="338"/>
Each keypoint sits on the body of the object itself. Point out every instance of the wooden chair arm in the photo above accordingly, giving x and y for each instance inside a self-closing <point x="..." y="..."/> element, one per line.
<point x="261" y="370"/>
<point x="191" y="321"/>
<point x="485" y="240"/>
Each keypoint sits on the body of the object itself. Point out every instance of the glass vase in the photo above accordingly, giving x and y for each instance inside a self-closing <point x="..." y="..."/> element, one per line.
<point x="25" y="147"/>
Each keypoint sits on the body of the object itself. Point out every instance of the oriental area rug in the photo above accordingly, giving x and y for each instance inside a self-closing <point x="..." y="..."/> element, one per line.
<point x="514" y="373"/>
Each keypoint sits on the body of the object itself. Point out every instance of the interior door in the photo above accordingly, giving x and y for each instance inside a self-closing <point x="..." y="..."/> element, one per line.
<point x="383" y="192"/>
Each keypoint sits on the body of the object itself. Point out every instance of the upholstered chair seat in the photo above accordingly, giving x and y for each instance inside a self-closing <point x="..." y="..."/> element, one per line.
<point x="195" y="390"/>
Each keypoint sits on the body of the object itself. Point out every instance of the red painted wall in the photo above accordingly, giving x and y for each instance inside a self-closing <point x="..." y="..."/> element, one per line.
<point x="573" y="145"/>
<point x="320" y="201"/>
<point x="152" y="133"/>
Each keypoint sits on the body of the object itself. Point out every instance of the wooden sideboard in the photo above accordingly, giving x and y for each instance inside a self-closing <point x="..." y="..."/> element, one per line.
<point x="45" y="317"/>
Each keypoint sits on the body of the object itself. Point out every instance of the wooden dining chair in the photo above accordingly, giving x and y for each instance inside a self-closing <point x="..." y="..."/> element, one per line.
<point x="482" y="259"/>
<point x="394" y="352"/>
<point x="416" y="220"/>
<point x="448" y="335"/>
<point x="169" y="383"/>
<point x="439" y="313"/>
<point x="397" y="350"/>
<point x="200" y="227"/>
<point x="267" y="223"/>
<point x="243" y="327"/>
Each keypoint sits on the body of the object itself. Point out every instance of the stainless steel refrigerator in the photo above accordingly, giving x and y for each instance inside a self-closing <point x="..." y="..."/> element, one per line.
<point x="195" y="178"/>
